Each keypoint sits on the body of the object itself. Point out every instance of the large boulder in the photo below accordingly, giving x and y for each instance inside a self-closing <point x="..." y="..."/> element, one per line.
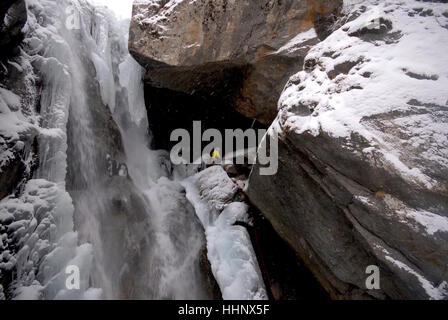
<point x="363" y="155"/>
<point x="243" y="49"/>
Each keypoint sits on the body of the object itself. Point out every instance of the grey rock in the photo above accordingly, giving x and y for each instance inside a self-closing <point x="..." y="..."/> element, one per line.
<point x="314" y="203"/>
<point x="226" y="47"/>
<point x="340" y="199"/>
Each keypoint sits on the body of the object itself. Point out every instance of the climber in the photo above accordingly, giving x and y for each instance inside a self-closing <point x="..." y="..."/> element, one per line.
<point x="123" y="171"/>
<point x="115" y="168"/>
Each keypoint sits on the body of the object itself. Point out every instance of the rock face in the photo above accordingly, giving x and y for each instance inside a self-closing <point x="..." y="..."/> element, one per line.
<point x="363" y="155"/>
<point x="17" y="142"/>
<point x="227" y="48"/>
<point x="363" y="165"/>
<point x="12" y="19"/>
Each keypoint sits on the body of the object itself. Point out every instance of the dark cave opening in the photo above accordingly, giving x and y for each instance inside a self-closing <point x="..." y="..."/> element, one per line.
<point x="170" y="110"/>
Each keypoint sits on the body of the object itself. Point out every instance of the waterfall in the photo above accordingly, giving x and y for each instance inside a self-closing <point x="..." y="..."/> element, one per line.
<point x="100" y="201"/>
<point x="110" y="204"/>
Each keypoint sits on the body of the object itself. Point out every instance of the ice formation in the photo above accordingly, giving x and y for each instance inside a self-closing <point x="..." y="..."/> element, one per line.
<point x="76" y="54"/>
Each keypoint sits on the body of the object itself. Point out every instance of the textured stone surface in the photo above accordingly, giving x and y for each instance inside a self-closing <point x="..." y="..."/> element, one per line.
<point x="363" y="148"/>
<point x="201" y="47"/>
<point x="13" y="171"/>
<point x="13" y="17"/>
<point x="362" y="174"/>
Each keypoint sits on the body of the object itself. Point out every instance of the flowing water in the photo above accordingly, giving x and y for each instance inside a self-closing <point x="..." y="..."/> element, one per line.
<point x="137" y="234"/>
<point x="100" y="201"/>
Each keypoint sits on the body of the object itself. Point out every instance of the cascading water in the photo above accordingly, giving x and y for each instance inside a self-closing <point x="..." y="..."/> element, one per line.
<point x="138" y="235"/>
<point x="142" y="248"/>
<point x="101" y="200"/>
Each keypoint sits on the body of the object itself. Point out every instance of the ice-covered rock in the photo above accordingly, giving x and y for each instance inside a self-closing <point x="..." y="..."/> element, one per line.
<point x="18" y="131"/>
<point x="37" y="230"/>
<point x="216" y="187"/>
<point x="38" y="242"/>
<point x="72" y="106"/>
<point x="18" y="97"/>
<point x="363" y="153"/>
<point x="229" y="248"/>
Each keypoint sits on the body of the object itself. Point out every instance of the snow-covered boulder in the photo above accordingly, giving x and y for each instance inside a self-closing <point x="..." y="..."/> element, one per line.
<point x="363" y="153"/>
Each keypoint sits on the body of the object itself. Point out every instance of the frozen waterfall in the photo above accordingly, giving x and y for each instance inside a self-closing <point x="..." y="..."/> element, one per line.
<point x="100" y="199"/>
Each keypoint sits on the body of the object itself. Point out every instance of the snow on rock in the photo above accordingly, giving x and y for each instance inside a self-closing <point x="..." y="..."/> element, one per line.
<point x="379" y="77"/>
<point x="398" y="262"/>
<point x="18" y="122"/>
<point x="36" y="222"/>
<point x="39" y="225"/>
<point x="216" y="187"/>
<point x="374" y="79"/>
<point x="145" y="17"/>
<point x="302" y="39"/>
<point x="230" y="252"/>
<point x="232" y="257"/>
<point x="365" y="123"/>
<point x="15" y="126"/>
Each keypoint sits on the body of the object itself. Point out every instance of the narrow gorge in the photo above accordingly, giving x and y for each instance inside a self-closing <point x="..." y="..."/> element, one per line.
<point x="350" y="97"/>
